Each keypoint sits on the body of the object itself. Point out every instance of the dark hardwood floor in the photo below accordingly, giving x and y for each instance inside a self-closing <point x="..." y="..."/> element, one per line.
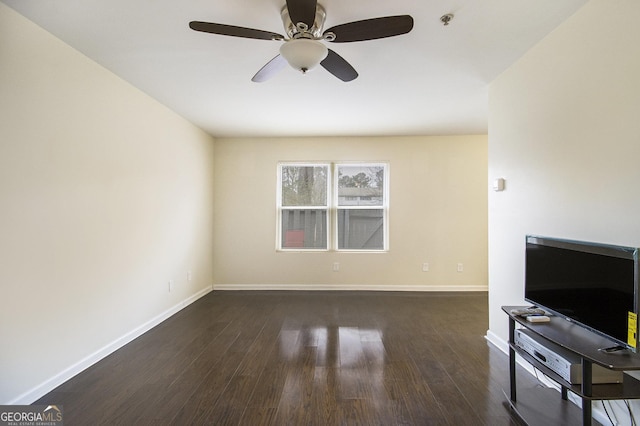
<point x="302" y="358"/>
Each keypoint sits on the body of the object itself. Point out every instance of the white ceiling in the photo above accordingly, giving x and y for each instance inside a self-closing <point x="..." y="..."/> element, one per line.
<point x="431" y="81"/>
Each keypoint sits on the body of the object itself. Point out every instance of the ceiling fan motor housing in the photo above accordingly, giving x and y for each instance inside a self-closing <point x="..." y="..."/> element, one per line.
<point x="293" y="30"/>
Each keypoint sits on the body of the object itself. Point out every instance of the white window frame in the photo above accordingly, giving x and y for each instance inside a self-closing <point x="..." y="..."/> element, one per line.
<point x="332" y="208"/>
<point x="281" y="208"/>
<point x="335" y="207"/>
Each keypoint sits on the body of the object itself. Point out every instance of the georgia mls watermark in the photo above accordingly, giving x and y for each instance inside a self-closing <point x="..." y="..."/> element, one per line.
<point x="31" y="415"/>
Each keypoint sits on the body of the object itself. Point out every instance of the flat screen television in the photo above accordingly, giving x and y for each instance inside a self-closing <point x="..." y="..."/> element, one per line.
<point x="594" y="285"/>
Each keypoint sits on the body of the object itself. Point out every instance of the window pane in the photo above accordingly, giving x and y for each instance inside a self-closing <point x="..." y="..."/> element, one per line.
<point x="361" y="185"/>
<point x="304" y="185"/>
<point x="361" y="229"/>
<point x="304" y="229"/>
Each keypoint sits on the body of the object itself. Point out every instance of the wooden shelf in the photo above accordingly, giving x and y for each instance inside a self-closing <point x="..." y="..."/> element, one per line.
<point x="556" y="411"/>
<point x="628" y="389"/>
<point x="582" y="342"/>
<point x="533" y="405"/>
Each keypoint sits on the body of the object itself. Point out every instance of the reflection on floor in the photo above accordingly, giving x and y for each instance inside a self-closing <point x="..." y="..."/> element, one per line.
<point x="302" y="358"/>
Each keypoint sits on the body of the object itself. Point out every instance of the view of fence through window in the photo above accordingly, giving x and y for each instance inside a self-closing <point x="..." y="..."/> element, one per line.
<point x="358" y="209"/>
<point x="361" y="227"/>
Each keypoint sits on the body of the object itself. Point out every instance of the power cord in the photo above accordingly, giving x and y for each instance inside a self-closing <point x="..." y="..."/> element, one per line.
<point x="633" y="419"/>
<point x="607" y="413"/>
<point x="613" y="423"/>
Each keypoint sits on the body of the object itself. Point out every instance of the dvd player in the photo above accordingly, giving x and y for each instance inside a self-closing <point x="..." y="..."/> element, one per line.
<point x="561" y="361"/>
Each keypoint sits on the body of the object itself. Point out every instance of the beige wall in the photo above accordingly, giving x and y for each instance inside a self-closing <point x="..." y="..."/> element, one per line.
<point x="105" y="196"/>
<point x="564" y="131"/>
<point x="438" y="214"/>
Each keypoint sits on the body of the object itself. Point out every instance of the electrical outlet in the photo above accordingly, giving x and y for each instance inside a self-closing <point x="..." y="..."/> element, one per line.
<point x="336" y="266"/>
<point x="189" y="276"/>
<point x="425" y="267"/>
<point x="460" y="267"/>
<point x="170" y="285"/>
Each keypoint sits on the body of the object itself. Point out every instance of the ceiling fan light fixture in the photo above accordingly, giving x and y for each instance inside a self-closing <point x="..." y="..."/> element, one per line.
<point x="304" y="54"/>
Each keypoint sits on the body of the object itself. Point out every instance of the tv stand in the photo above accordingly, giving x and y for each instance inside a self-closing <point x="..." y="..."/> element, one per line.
<point x="591" y="348"/>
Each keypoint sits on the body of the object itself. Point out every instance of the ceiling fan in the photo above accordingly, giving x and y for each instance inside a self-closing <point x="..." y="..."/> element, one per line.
<point x="302" y="49"/>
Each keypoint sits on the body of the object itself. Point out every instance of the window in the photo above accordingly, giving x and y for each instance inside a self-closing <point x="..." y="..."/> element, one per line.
<point x="343" y="207"/>
<point x="361" y="206"/>
<point x="304" y="206"/>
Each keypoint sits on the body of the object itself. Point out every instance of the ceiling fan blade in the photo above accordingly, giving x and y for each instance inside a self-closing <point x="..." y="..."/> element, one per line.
<point x="302" y="11"/>
<point x="371" y="29"/>
<point x="232" y="30"/>
<point x="270" y="69"/>
<point x="337" y="66"/>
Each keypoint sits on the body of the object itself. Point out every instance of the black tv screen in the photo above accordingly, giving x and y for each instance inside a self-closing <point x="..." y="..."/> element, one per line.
<point x="594" y="285"/>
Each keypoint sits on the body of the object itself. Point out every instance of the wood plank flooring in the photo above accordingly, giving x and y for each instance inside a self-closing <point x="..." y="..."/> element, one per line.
<point x="302" y="358"/>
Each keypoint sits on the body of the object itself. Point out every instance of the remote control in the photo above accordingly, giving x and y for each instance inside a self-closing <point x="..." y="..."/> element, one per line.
<point x="538" y="318"/>
<point x="525" y="312"/>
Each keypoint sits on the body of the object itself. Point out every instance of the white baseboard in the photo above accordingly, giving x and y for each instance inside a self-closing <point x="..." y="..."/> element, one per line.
<point x="497" y="341"/>
<point x="503" y="345"/>
<point x="347" y="287"/>
<point x="47" y="386"/>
